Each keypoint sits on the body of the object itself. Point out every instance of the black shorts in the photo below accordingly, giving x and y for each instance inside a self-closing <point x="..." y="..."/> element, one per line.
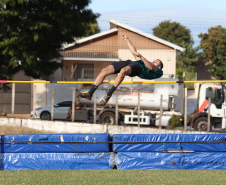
<point x="136" y="69"/>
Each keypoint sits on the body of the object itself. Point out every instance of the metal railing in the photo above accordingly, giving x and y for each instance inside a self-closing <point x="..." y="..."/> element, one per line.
<point x="144" y="82"/>
<point x="90" y="54"/>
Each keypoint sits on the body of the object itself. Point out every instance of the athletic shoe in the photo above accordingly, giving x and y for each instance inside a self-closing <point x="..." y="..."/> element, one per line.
<point x="85" y="95"/>
<point x="104" y="100"/>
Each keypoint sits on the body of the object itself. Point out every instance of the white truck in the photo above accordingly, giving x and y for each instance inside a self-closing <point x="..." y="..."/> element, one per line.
<point x="198" y="119"/>
<point x="128" y="105"/>
<point x="150" y="106"/>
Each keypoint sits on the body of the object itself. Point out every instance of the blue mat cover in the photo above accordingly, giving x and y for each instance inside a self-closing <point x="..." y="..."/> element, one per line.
<point x="168" y="146"/>
<point x="57" y="161"/>
<point x="155" y="160"/>
<point x="58" y="148"/>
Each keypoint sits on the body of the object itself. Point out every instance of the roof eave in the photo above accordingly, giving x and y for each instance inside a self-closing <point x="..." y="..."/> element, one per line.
<point x="91" y="37"/>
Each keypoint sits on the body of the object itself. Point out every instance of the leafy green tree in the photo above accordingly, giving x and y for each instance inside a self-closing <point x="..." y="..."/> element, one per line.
<point x="178" y="34"/>
<point x="6" y="71"/>
<point x="187" y="57"/>
<point x="92" y="29"/>
<point x="32" y="33"/>
<point x="213" y="44"/>
<point x="173" y="32"/>
<point x="174" y="121"/>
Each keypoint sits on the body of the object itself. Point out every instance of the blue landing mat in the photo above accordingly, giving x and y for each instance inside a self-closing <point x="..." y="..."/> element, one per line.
<point x="57" y="161"/>
<point x="58" y="148"/>
<point x="169" y="146"/>
<point x="155" y="160"/>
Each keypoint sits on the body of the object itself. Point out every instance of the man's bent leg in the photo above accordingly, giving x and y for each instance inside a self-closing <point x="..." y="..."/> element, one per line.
<point x="106" y="71"/>
<point x="124" y="71"/>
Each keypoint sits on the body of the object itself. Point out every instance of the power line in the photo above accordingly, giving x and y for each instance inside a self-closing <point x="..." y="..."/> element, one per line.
<point x="149" y="19"/>
<point x="161" y="16"/>
<point x="151" y="24"/>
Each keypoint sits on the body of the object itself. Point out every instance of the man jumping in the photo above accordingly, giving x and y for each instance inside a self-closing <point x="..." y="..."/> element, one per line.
<point x="141" y="68"/>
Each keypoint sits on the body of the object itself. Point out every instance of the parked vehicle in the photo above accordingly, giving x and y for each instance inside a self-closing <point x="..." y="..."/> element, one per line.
<point x="128" y="104"/>
<point x="60" y="111"/>
<point x="150" y="105"/>
<point x="199" y="118"/>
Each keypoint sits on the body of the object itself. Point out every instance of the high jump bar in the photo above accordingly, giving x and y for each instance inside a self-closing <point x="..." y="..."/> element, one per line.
<point x="84" y="82"/>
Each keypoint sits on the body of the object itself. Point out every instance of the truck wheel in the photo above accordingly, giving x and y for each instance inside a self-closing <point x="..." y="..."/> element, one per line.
<point x="107" y="118"/>
<point x="201" y="124"/>
<point x="45" y="116"/>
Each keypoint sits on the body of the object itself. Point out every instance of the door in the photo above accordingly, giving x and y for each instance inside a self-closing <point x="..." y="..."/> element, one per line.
<point x="61" y="109"/>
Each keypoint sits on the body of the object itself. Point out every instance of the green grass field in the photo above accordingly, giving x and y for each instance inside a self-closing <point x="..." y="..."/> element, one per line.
<point x="113" y="177"/>
<point x="105" y="176"/>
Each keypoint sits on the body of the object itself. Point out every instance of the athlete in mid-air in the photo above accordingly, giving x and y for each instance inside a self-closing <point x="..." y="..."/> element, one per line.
<point x="141" y="68"/>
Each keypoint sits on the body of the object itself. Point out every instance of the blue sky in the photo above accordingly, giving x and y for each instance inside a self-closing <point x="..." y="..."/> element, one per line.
<point x="197" y="15"/>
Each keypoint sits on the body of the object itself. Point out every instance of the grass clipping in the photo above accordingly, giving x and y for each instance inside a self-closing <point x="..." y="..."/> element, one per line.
<point x="174" y="122"/>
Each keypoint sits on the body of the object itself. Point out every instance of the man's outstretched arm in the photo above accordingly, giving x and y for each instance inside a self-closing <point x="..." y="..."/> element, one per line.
<point x="131" y="46"/>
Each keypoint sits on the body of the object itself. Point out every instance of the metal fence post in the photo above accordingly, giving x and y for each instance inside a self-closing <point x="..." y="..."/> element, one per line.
<point x="116" y="109"/>
<point x="34" y="100"/>
<point x="209" y="125"/>
<point x="109" y="79"/>
<point x="73" y="105"/>
<point x="13" y="100"/>
<point x="95" y="108"/>
<point x="185" y="109"/>
<point x="138" y="110"/>
<point x="52" y="107"/>
<point x="160" y="116"/>
<point x="82" y="74"/>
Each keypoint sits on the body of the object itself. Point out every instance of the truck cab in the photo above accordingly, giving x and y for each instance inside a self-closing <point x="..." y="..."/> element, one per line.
<point x="198" y="119"/>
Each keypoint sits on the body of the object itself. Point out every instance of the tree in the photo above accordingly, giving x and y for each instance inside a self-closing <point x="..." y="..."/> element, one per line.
<point x="187" y="57"/>
<point x="92" y="29"/>
<point x="213" y="44"/>
<point x="173" y="32"/>
<point x="32" y="33"/>
<point x="178" y="34"/>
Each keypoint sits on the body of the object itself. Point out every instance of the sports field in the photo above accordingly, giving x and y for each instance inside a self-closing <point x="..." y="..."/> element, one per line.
<point x="113" y="177"/>
<point x="106" y="176"/>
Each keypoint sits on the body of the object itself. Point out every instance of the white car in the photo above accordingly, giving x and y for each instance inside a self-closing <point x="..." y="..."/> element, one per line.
<point x="60" y="111"/>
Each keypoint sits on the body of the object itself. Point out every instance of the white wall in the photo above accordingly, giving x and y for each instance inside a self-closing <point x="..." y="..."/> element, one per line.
<point x="57" y="75"/>
<point x="40" y="91"/>
<point x="75" y="127"/>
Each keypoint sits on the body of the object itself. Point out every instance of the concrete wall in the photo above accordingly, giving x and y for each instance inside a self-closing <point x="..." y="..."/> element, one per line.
<point x="22" y="96"/>
<point x="67" y="127"/>
<point x="40" y="99"/>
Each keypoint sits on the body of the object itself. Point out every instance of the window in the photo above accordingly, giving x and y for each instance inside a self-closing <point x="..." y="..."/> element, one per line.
<point x="65" y="104"/>
<point x="215" y="95"/>
<point x="84" y="71"/>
